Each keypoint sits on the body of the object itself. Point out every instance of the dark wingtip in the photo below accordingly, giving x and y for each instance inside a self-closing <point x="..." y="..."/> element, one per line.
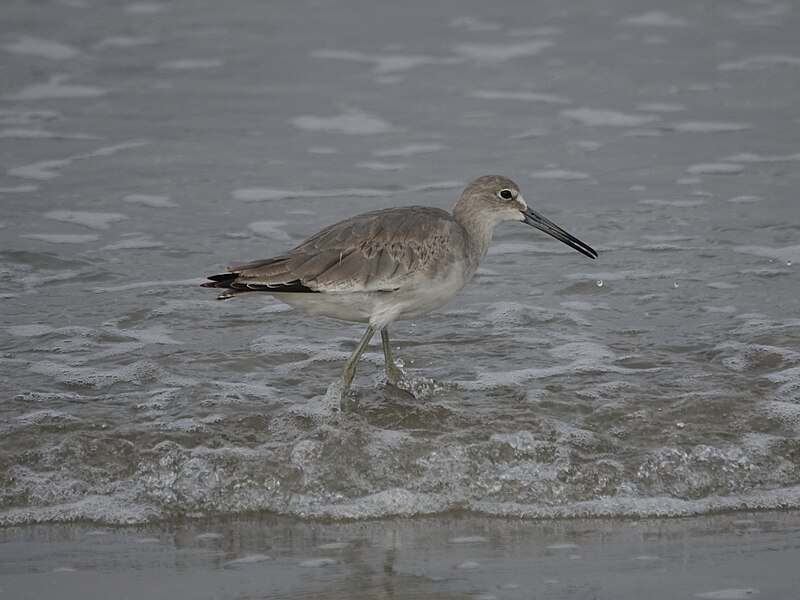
<point x="223" y="277"/>
<point x="234" y="287"/>
<point x="219" y="281"/>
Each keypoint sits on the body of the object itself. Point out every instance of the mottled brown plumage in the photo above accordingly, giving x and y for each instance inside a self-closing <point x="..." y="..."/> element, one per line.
<point x="377" y="251"/>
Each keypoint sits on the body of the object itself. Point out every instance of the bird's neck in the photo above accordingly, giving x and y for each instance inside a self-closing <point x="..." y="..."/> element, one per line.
<point x="478" y="228"/>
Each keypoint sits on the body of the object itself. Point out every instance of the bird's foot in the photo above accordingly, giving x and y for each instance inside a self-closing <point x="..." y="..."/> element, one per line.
<point x="393" y="374"/>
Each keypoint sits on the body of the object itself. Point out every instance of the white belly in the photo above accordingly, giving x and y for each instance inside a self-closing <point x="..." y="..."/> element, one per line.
<point x="380" y="308"/>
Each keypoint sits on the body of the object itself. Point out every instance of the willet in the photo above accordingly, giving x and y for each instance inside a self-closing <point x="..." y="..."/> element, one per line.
<point x="390" y="264"/>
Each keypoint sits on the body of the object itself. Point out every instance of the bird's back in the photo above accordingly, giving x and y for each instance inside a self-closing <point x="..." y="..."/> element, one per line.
<point x="382" y="250"/>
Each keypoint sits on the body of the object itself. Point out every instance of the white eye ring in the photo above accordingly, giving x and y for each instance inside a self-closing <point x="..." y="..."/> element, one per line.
<point x="506" y="194"/>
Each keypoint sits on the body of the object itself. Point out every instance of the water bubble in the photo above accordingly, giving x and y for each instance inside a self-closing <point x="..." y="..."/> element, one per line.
<point x="680" y="424"/>
<point x="599" y="283"/>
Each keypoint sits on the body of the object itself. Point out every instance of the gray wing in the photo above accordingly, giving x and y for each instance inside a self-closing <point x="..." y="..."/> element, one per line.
<point x="377" y="251"/>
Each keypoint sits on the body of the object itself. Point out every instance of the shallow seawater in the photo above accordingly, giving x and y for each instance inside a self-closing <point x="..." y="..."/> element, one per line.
<point x="145" y="145"/>
<point x="464" y="557"/>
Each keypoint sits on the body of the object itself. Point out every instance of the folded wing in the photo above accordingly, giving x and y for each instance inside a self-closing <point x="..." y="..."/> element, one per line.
<point x="378" y="251"/>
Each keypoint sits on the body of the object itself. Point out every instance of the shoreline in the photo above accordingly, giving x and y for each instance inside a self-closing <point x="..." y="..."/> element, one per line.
<point x="402" y="504"/>
<point x="735" y="555"/>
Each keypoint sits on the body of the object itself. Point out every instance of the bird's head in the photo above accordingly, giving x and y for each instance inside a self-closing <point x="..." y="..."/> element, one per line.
<point x="498" y="199"/>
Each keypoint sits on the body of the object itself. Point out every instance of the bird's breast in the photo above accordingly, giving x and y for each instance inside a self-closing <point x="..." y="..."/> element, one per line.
<point x="428" y="293"/>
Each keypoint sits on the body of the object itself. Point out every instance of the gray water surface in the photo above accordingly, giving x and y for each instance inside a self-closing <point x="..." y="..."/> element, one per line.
<point x="453" y="557"/>
<point x="144" y="145"/>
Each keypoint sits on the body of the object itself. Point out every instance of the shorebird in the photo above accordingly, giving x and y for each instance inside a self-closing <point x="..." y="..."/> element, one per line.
<point x="390" y="264"/>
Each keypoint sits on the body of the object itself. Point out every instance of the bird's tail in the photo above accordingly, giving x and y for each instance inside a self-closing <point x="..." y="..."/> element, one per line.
<point x="235" y="287"/>
<point x="224" y="280"/>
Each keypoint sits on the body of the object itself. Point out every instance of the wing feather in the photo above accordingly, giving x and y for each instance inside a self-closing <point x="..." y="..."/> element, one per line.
<point x="377" y="251"/>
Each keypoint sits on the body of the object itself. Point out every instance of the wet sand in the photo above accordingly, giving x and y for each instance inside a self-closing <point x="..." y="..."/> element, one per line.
<point x="730" y="556"/>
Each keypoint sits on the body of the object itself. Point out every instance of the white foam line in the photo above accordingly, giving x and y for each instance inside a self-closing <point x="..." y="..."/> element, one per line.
<point x="655" y="18"/>
<point x="601" y="117"/>
<point x="266" y="194"/>
<point x="761" y="62"/>
<point x="45" y="169"/>
<point x="55" y="89"/>
<point x="385" y="63"/>
<point x="496" y="53"/>
<point x="760" y="158"/>
<point x="41" y="134"/>
<point x="646" y="507"/>
<point x="42" y="48"/>
<point x="525" y="96"/>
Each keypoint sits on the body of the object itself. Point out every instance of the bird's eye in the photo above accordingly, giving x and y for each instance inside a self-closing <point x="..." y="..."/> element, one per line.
<point x="506" y="194"/>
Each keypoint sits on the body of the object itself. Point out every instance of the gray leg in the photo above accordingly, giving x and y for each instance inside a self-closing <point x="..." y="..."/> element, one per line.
<point x="350" y="366"/>
<point x="393" y="374"/>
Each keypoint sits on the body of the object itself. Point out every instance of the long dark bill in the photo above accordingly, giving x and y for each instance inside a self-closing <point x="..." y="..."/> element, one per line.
<point x="536" y="220"/>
